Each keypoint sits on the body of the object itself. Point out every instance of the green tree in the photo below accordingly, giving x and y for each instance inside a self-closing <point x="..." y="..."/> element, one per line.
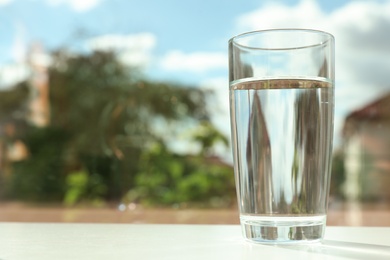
<point x="108" y="134"/>
<point x="40" y="177"/>
<point x="112" y="114"/>
<point x="13" y="102"/>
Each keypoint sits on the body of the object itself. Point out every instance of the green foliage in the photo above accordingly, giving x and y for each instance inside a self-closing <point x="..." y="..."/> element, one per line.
<point x="103" y="177"/>
<point x="13" y="101"/>
<point x="170" y="179"/>
<point x="338" y="175"/>
<point x="208" y="136"/>
<point x="40" y="177"/>
<point x="76" y="187"/>
<point x="83" y="187"/>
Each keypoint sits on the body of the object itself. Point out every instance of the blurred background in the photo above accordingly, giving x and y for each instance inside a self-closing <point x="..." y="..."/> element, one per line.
<point x="118" y="111"/>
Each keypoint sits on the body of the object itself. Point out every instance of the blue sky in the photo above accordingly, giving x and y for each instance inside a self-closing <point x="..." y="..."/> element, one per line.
<point x="54" y="21"/>
<point x="186" y="41"/>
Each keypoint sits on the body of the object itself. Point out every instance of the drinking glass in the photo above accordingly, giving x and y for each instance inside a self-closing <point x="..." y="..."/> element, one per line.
<point x="281" y="85"/>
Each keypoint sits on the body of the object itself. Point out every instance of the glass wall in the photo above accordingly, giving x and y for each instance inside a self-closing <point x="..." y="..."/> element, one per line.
<point x="117" y="111"/>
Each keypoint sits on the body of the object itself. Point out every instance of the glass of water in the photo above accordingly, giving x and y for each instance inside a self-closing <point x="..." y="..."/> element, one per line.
<point x="282" y="103"/>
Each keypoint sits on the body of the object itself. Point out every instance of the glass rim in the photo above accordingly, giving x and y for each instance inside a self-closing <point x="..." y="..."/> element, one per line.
<point x="329" y="37"/>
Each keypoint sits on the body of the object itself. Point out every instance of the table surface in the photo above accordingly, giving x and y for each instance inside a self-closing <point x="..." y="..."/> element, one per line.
<point x="132" y="241"/>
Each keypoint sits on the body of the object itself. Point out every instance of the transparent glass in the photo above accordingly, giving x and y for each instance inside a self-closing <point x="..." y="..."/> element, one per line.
<point x="282" y="105"/>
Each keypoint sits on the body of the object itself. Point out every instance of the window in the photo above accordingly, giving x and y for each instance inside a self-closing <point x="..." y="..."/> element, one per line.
<point x="118" y="111"/>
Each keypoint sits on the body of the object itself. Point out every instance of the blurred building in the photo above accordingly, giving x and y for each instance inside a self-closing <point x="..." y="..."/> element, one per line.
<point x="366" y="135"/>
<point x="39" y="104"/>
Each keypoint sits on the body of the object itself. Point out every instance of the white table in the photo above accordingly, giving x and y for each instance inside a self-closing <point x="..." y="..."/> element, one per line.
<point x="203" y="242"/>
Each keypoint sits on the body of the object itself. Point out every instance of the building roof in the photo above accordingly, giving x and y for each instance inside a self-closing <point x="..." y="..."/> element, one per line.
<point x="376" y="111"/>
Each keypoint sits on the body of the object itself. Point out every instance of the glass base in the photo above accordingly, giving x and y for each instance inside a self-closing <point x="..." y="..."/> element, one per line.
<point x="287" y="229"/>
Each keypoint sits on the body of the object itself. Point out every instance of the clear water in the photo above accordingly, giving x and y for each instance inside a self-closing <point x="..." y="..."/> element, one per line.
<point x="282" y="131"/>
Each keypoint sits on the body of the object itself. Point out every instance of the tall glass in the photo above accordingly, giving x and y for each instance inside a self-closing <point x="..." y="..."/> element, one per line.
<point x="282" y="103"/>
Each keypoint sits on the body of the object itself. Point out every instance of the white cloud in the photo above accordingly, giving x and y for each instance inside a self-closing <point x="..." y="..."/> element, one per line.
<point x="19" y="46"/>
<point x="116" y="41"/>
<point x="134" y="49"/>
<point x="193" y="62"/>
<point x="76" y="5"/>
<point x="12" y="74"/>
<point x="276" y="15"/>
<point x="362" y="33"/>
<point x="5" y="2"/>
